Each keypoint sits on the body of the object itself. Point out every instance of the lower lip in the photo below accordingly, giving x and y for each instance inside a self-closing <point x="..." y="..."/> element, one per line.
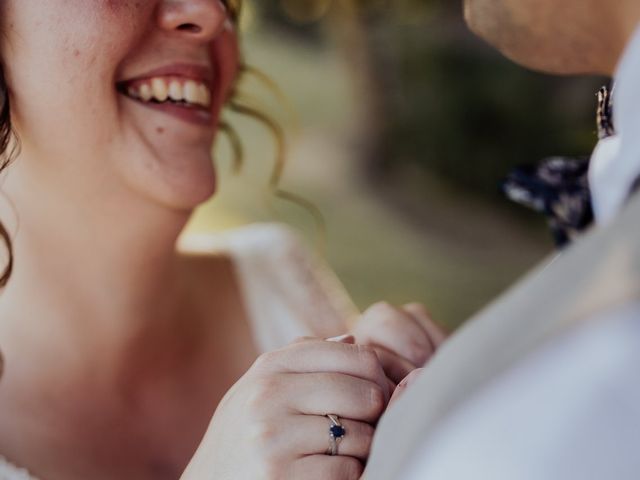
<point x="197" y="116"/>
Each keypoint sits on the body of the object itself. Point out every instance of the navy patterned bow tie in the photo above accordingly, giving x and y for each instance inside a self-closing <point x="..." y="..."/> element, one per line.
<point x="558" y="187"/>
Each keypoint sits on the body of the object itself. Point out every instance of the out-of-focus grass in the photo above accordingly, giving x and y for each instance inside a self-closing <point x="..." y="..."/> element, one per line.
<point x="454" y="263"/>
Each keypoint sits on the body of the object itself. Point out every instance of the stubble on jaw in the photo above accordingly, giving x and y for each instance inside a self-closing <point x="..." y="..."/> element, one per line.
<point x="496" y="22"/>
<point x="546" y="35"/>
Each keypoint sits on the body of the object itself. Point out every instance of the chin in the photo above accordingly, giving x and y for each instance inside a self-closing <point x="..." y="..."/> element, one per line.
<point x="181" y="181"/>
<point x="549" y="63"/>
<point x="188" y="194"/>
<point x="168" y="160"/>
<point x="553" y="61"/>
<point x="188" y="188"/>
<point x="546" y="41"/>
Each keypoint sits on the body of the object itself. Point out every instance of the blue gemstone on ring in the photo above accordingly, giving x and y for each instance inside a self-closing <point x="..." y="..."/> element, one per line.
<point x="337" y="431"/>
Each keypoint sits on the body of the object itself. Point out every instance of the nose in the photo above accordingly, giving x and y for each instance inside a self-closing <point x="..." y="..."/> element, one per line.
<point x="200" y="20"/>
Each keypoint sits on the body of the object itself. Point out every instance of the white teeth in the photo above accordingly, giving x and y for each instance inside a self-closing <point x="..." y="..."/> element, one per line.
<point x="204" y="97"/>
<point x="160" y="89"/>
<point x="132" y="92"/>
<point x="191" y="91"/>
<point x="145" y="92"/>
<point x="175" y="91"/>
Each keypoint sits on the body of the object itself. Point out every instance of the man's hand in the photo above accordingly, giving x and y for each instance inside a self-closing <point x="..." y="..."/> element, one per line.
<point x="404" y="338"/>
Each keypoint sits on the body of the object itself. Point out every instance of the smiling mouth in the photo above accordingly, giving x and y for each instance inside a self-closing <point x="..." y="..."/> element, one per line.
<point x="173" y="94"/>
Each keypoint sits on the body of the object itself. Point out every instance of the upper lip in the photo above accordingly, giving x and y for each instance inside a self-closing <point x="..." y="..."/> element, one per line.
<point x="200" y="73"/>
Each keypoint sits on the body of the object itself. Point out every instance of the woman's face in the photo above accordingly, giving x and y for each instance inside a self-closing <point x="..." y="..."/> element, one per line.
<point x="119" y="95"/>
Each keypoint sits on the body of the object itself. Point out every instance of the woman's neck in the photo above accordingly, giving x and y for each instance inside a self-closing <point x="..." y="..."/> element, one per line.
<point x="96" y="273"/>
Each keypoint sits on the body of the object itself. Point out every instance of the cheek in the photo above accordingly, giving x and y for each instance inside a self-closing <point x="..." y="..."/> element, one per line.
<point x="63" y="54"/>
<point x="117" y="7"/>
<point x="226" y="54"/>
<point x="97" y="28"/>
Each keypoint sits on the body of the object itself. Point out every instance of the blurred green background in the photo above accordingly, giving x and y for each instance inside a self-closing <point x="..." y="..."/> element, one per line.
<point x="400" y="126"/>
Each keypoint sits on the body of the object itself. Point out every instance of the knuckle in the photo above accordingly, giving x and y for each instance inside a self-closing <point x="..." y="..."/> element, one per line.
<point x="419" y="308"/>
<point x="419" y="354"/>
<point x="377" y="400"/>
<point x="383" y="310"/>
<point x="262" y="361"/>
<point x="369" y="359"/>
<point x="384" y="314"/>
<point x="265" y="360"/>
<point x="382" y="307"/>
<point x="420" y="314"/>
<point x="263" y="434"/>
<point x="262" y="392"/>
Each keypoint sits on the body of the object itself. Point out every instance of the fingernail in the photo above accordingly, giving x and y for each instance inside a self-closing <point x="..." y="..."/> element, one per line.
<point x="347" y="338"/>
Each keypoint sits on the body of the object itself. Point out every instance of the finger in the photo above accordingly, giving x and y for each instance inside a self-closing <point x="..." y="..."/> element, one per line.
<point x="324" y="393"/>
<point x="309" y="435"/>
<point x="404" y="384"/>
<point x="325" y="467"/>
<point x="314" y="356"/>
<point x="436" y="333"/>
<point x="396" y="330"/>
<point x="395" y="366"/>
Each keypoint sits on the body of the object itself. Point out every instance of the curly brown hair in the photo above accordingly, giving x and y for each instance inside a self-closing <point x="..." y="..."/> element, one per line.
<point x="6" y="154"/>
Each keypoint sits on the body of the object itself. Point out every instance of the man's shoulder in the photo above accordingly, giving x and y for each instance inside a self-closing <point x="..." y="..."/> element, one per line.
<point x="601" y="271"/>
<point x="570" y="410"/>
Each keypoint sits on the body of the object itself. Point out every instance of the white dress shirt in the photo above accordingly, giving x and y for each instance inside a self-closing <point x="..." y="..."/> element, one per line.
<point x="572" y="410"/>
<point x="615" y="163"/>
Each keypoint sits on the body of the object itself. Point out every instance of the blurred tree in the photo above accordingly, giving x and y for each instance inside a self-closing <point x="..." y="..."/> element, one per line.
<point x="301" y="19"/>
<point x="456" y="107"/>
<point x="438" y="98"/>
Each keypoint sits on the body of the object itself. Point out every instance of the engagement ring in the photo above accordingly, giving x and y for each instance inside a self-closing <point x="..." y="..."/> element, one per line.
<point x="336" y="433"/>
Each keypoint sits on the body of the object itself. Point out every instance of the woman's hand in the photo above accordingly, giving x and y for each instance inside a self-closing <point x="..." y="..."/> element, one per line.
<point x="404" y="338"/>
<point x="272" y="423"/>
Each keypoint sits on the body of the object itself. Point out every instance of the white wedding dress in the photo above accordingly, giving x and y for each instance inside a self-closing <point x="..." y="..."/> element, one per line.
<point x="288" y="291"/>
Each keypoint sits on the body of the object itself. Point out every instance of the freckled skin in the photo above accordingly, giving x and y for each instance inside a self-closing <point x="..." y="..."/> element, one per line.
<point x="85" y="46"/>
<point x="101" y="187"/>
<point x="116" y="6"/>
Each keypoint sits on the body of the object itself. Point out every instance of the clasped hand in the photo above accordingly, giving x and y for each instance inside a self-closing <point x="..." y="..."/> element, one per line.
<point x="272" y="424"/>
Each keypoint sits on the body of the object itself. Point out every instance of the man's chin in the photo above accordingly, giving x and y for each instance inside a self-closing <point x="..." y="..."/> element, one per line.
<point x="542" y="47"/>
<point x="548" y="64"/>
<point x="531" y="53"/>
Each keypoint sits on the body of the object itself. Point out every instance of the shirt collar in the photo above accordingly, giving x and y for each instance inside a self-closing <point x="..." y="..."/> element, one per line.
<point x="615" y="164"/>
